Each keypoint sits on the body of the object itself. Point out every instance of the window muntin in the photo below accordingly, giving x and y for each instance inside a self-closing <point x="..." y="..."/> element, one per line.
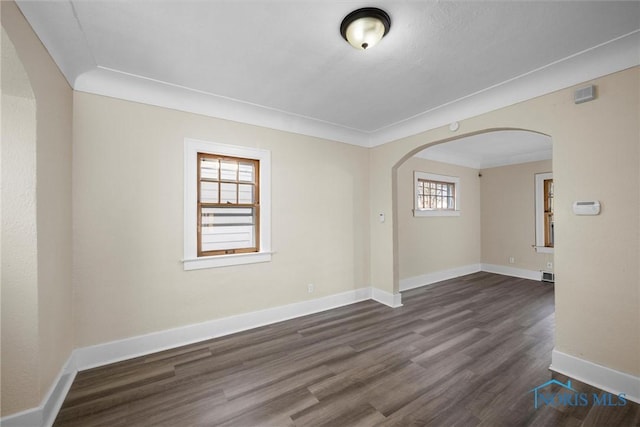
<point x="228" y="205"/>
<point x="436" y="195"/>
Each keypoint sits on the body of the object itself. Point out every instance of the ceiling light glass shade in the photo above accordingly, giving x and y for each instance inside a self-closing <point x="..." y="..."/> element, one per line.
<point x="364" y="28"/>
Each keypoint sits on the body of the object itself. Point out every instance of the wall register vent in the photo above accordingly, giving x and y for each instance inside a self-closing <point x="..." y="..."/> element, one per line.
<point x="584" y="94"/>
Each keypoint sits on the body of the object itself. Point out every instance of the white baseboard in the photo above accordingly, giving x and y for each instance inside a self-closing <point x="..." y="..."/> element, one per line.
<point x="438" y="276"/>
<point x="102" y="354"/>
<point x="599" y="376"/>
<point x="28" y="418"/>
<point x="512" y="271"/>
<point x="53" y="402"/>
<point x="45" y="414"/>
<point x="386" y="298"/>
<point x="115" y="351"/>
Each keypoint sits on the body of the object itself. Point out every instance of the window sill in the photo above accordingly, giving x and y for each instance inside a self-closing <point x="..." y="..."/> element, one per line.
<point x="417" y="212"/>
<point x="226" y="260"/>
<point x="543" y="250"/>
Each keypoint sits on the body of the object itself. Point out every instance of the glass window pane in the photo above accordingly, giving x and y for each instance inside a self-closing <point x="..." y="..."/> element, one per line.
<point x="228" y="193"/>
<point x="209" y="192"/>
<point x="228" y="170"/>
<point x="245" y="193"/>
<point x="209" y="168"/>
<point x="227" y="228"/>
<point x="436" y="195"/>
<point x="245" y="172"/>
<point x="227" y="182"/>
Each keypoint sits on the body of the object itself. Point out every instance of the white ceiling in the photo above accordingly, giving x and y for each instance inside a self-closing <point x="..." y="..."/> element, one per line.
<point x="283" y="64"/>
<point x="492" y="149"/>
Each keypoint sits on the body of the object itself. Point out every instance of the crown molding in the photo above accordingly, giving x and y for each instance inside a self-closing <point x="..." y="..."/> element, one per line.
<point x="85" y="75"/>
<point x="69" y="49"/>
<point x="607" y="58"/>
<point x="116" y="84"/>
<point x="73" y="56"/>
<point x="616" y="55"/>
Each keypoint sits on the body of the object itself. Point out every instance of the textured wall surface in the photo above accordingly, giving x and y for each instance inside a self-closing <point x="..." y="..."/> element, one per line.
<point x="19" y="255"/>
<point x="43" y="289"/>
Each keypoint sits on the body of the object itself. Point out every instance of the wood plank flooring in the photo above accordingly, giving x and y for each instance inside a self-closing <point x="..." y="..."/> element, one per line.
<point x="463" y="352"/>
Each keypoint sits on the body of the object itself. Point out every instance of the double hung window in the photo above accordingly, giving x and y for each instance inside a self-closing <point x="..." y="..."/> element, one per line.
<point x="227" y="215"/>
<point x="228" y="205"/>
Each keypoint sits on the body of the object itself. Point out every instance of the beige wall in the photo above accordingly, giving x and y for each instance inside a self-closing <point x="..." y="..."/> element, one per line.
<point x="128" y="221"/>
<point x="497" y="220"/>
<point x="432" y="244"/>
<point x="127" y="206"/>
<point x="41" y="294"/>
<point x="595" y="156"/>
<point x="508" y="216"/>
<point x="19" y="241"/>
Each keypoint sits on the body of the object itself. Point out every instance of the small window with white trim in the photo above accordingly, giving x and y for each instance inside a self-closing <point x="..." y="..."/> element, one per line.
<point x="227" y="205"/>
<point x="436" y="195"/>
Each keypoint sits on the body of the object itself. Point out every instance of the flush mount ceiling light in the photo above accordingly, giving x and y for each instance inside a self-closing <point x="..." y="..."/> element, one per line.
<point x="364" y="28"/>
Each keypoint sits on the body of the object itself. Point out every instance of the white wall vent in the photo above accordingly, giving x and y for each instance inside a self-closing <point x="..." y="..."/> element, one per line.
<point x="584" y="94"/>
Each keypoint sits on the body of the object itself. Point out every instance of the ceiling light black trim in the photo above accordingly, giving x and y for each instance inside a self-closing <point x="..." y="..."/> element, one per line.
<point x="365" y="12"/>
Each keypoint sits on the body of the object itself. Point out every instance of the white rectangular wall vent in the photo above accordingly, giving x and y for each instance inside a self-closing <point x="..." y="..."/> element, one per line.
<point x="584" y="94"/>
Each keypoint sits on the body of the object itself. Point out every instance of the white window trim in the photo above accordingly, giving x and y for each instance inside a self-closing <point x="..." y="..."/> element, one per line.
<point x="191" y="261"/>
<point x="434" y="177"/>
<point x="539" y="207"/>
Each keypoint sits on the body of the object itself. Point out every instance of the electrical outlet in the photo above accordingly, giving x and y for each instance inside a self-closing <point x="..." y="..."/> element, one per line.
<point x="549" y="265"/>
<point x="310" y="288"/>
<point x="512" y="260"/>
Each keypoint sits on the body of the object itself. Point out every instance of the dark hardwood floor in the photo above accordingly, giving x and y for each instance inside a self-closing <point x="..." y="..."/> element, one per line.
<point x="462" y="352"/>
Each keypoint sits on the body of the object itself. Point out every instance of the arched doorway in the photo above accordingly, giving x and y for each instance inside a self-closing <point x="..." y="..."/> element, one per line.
<point x="383" y="198"/>
<point x="595" y="158"/>
<point x="469" y="204"/>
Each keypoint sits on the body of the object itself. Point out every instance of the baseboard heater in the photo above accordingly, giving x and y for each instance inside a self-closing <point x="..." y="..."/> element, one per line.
<point x="548" y="276"/>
